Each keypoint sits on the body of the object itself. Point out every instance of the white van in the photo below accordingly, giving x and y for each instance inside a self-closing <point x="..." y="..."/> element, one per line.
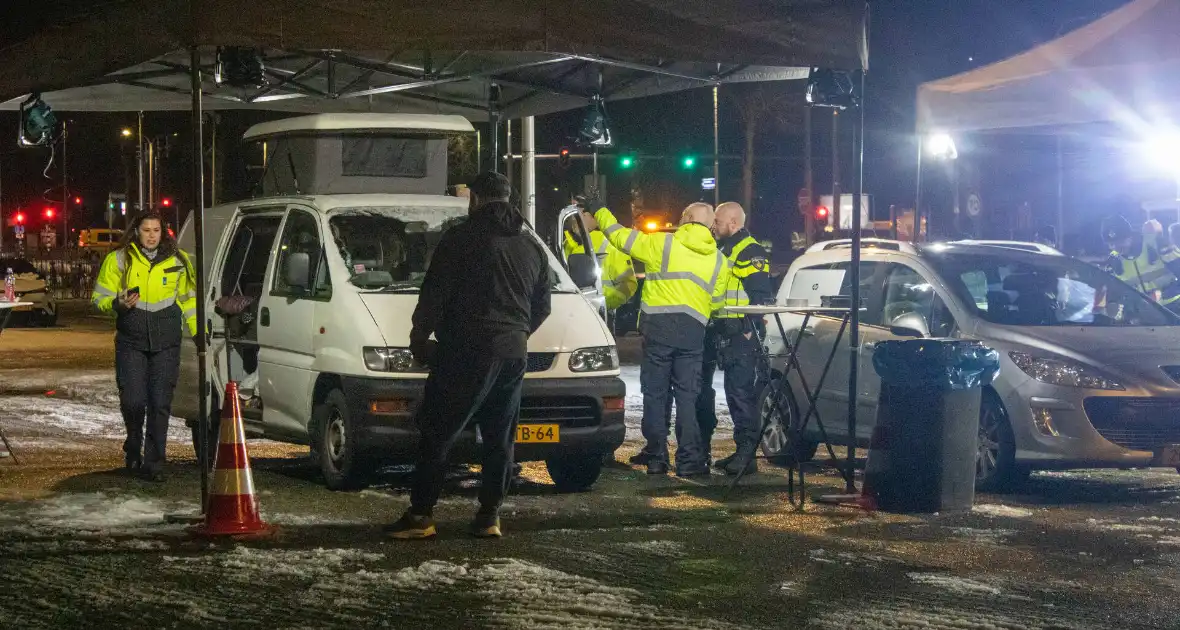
<point x="331" y="257"/>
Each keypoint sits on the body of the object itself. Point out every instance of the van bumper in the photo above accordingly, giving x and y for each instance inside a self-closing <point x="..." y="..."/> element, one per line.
<point x="589" y="412"/>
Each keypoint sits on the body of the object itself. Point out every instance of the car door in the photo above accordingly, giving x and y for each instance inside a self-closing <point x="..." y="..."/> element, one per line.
<point x="570" y="218"/>
<point x="287" y="324"/>
<point x="906" y="290"/>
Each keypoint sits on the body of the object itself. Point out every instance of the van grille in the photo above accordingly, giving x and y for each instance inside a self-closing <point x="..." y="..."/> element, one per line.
<point x="1142" y="424"/>
<point x="568" y="411"/>
<point x="540" y="361"/>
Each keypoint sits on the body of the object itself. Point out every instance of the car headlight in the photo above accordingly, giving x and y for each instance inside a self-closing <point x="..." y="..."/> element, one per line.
<point x="391" y="360"/>
<point x="599" y="359"/>
<point x="1063" y="372"/>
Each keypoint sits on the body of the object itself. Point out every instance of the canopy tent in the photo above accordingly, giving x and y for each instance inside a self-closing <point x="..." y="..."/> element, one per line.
<point x="442" y="56"/>
<point x="1122" y="69"/>
<point x="438" y="57"/>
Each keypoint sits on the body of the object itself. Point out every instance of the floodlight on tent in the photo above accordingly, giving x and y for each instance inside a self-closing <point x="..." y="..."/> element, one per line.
<point x="37" y="123"/>
<point x="595" y="130"/>
<point x="831" y="88"/>
<point x="941" y="146"/>
<point x="239" y="66"/>
<point x="1162" y="152"/>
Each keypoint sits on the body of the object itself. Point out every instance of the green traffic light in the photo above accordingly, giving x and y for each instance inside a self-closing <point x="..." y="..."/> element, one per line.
<point x="689" y="162"/>
<point x="626" y="161"/>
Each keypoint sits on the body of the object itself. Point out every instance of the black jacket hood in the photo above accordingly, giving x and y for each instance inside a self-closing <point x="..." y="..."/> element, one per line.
<point x="500" y="216"/>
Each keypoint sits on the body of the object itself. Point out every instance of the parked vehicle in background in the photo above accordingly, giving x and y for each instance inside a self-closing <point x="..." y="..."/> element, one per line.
<point x="30" y="287"/>
<point x="99" y="239"/>
<point x="1090" y="367"/>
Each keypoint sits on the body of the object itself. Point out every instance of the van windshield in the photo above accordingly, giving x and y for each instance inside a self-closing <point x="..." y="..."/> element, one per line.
<point x="1036" y="290"/>
<point x="389" y="250"/>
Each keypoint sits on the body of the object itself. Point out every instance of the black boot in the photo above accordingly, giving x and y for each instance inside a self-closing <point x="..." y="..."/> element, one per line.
<point x="743" y="459"/>
<point x="132" y="463"/>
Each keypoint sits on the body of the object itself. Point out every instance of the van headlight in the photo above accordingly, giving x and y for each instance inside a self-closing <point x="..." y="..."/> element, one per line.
<point x="599" y="359"/>
<point x="1063" y="372"/>
<point x="391" y="360"/>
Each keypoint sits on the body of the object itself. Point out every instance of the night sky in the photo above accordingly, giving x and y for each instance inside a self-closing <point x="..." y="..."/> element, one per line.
<point x="911" y="41"/>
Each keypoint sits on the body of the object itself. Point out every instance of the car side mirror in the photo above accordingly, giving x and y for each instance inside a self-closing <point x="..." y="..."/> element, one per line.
<point x="910" y="325"/>
<point x="583" y="270"/>
<point x="297" y="271"/>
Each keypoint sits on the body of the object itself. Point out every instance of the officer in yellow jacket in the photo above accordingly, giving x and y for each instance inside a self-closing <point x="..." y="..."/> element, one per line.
<point x="150" y="285"/>
<point x="731" y="341"/>
<point x="1146" y="260"/>
<point x="618" y="273"/>
<point x="684" y="285"/>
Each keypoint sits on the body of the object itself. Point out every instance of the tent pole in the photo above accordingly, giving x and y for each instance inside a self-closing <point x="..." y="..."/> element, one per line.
<point x="918" y="197"/>
<point x="139" y="161"/>
<point x="854" y="319"/>
<point x="508" y="170"/>
<point x="716" y="154"/>
<point x="1060" y="240"/>
<point x="836" y="205"/>
<point x="494" y="123"/>
<point x="808" y="180"/>
<point x="199" y="237"/>
<point x="528" y="170"/>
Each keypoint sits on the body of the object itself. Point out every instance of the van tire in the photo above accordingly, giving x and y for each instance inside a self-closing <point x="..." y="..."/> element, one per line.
<point x="342" y="464"/>
<point x="776" y="441"/>
<point x="575" y="472"/>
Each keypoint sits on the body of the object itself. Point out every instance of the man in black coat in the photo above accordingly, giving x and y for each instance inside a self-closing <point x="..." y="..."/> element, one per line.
<point x="486" y="291"/>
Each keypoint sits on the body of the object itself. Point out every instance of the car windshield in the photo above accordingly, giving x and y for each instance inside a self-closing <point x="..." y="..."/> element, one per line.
<point x="1020" y="290"/>
<point x="389" y="249"/>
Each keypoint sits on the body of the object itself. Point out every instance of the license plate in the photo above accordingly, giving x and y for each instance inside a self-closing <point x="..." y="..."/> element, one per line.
<point x="1169" y="456"/>
<point x="538" y="434"/>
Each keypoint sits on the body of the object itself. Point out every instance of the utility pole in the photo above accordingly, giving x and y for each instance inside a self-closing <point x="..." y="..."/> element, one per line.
<point x="809" y="211"/>
<point x="836" y="166"/>
<point x="65" y="186"/>
<point x="716" y="154"/>
<point x="139" y="162"/>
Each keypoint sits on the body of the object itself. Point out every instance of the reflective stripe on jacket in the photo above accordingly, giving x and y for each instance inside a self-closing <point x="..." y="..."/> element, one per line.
<point x="618" y="273"/>
<point x="1148" y="271"/>
<point x="167" y="296"/>
<point x="743" y="267"/>
<point x="684" y="271"/>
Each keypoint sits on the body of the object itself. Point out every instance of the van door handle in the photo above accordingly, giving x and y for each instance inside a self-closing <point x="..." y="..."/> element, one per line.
<point x="264" y="317"/>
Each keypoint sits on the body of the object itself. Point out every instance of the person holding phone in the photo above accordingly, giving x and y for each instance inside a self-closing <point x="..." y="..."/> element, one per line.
<point x="150" y="286"/>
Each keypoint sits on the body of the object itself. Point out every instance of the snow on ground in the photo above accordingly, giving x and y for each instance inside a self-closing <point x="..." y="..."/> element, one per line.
<point x="634" y="404"/>
<point x="956" y="585"/>
<point x="986" y="536"/>
<point x="994" y="510"/>
<point x="96" y="512"/>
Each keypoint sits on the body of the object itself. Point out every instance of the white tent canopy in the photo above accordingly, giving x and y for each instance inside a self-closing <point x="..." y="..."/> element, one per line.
<point x="1123" y="68"/>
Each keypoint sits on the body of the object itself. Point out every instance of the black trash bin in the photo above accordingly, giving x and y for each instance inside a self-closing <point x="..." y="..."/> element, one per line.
<point x="922" y="456"/>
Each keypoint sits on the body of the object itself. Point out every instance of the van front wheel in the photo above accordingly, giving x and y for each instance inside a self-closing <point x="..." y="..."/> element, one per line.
<point x="335" y="445"/>
<point x="574" y="473"/>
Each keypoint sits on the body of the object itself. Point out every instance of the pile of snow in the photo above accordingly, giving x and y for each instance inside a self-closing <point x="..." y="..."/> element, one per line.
<point x="661" y="548"/>
<point x="1003" y="511"/>
<point x="990" y="536"/>
<point x="956" y="585"/>
<point x="91" y="512"/>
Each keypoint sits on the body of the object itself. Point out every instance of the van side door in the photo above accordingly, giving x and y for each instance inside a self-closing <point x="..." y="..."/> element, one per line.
<point x="299" y="283"/>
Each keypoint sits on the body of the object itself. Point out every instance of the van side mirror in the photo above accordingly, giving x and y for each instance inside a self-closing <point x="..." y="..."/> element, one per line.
<point x="297" y="271"/>
<point x="910" y="325"/>
<point x="583" y="270"/>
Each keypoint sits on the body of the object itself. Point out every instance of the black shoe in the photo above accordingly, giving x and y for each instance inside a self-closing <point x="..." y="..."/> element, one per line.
<point x="640" y="459"/>
<point x="486" y="525"/>
<point x="412" y="527"/>
<point x="693" y="472"/>
<point x="154" y="476"/>
<point x="734" y="466"/>
<point x="132" y="464"/>
<point x="723" y="462"/>
<point x="656" y="467"/>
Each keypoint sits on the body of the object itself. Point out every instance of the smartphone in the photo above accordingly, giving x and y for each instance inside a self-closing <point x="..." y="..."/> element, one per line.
<point x="133" y="291"/>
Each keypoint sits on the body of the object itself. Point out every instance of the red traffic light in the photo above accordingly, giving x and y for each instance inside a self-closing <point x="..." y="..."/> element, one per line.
<point x="563" y="157"/>
<point x="49" y="212"/>
<point x="821" y="213"/>
<point x="166" y="202"/>
<point x="20" y="218"/>
<point x="77" y="201"/>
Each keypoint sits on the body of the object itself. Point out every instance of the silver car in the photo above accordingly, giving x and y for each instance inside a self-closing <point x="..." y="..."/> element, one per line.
<point x="1090" y="368"/>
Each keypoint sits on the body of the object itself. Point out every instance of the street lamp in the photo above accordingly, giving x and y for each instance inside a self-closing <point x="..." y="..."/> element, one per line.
<point x="941" y="146"/>
<point x="126" y="132"/>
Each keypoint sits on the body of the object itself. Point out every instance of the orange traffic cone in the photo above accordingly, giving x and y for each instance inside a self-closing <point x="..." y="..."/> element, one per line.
<point x="232" y="508"/>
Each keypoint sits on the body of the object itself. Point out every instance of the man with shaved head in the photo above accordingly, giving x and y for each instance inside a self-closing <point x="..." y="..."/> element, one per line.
<point x="731" y="342"/>
<point x="684" y="285"/>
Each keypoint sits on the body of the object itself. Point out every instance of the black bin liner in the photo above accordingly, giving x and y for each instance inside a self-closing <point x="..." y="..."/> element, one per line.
<point x="925" y="442"/>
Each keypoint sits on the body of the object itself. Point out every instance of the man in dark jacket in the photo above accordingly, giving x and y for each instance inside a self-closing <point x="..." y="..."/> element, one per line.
<point x="486" y="291"/>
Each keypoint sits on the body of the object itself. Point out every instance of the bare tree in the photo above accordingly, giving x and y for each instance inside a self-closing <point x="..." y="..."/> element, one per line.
<point x="761" y="106"/>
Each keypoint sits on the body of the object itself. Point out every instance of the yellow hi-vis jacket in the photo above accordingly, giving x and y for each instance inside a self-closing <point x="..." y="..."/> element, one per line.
<point x="684" y="272"/>
<point x="743" y="266"/>
<point x="1148" y="271"/>
<point x="618" y="274"/>
<point x="167" y="296"/>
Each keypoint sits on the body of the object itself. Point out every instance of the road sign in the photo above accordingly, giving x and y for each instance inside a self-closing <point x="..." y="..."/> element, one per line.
<point x="804" y="200"/>
<point x="974" y="205"/>
<point x="708" y="183"/>
<point x="20" y="231"/>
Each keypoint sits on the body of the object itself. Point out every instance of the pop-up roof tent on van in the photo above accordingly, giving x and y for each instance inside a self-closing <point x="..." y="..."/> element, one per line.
<point x="331" y="154"/>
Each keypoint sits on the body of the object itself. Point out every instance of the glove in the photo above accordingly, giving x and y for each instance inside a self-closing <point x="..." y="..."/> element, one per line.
<point x="590" y="202"/>
<point x="423" y="350"/>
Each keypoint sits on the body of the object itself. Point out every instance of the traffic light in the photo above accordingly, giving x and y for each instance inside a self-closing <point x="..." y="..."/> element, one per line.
<point x="626" y="161"/>
<point x="49" y="212"/>
<point x="822" y="213"/>
<point x="563" y="157"/>
<point x="20" y="218"/>
<point x="166" y="202"/>
<point x="689" y="161"/>
<point x="77" y="201"/>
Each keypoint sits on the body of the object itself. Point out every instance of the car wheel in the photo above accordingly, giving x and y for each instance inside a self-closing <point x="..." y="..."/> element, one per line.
<point x="574" y="473"/>
<point x="777" y="440"/>
<point x="336" y="446"/>
<point x="48" y="318"/>
<point x="995" y="462"/>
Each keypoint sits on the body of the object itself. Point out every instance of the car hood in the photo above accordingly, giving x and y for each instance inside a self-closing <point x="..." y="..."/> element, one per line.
<point x="573" y="323"/>
<point x="1136" y="352"/>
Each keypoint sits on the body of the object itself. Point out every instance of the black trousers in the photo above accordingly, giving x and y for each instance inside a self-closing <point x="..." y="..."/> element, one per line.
<point x="671" y="373"/>
<point x="739" y="361"/>
<point x="146" y="382"/>
<point x="458" y="390"/>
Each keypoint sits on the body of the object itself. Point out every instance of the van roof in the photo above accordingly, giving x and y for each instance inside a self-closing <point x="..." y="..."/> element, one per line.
<point x="360" y="122"/>
<point x="328" y="203"/>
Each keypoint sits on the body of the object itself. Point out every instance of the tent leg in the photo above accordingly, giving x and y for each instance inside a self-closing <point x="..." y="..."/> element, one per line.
<point x="199" y="236"/>
<point x="716" y="154"/>
<point x="917" y="229"/>
<point x="528" y="170"/>
<point x="854" y="320"/>
<point x="1060" y="235"/>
